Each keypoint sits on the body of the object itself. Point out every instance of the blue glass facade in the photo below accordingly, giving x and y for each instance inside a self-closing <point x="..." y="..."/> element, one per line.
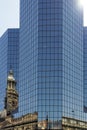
<point x="51" y="59"/>
<point x="85" y="67"/>
<point x="72" y="60"/>
<point x="9" y="58"/>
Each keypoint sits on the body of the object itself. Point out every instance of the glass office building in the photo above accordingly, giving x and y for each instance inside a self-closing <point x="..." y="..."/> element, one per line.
<point x="85" y="67"/>
<point x="9" y="59"/>
<point x="51" y="59"/>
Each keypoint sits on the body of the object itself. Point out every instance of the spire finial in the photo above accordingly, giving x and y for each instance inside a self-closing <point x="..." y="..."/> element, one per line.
<point x="11" y="71"/>
<point x="10" y="67"/>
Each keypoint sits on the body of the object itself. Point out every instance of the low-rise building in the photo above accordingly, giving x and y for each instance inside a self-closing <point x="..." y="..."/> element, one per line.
<point x="26" y="122"/>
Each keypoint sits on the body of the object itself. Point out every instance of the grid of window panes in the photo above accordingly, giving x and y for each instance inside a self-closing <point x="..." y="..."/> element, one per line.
<point x="13" y="52"/>
<point x="72" y="60"/>
<point x="9" y="59"/>
<point x="3" y="67"/>
<point x="85" y="67"/>
<point x="51" y="60"/>
<point x="28" y="56"/>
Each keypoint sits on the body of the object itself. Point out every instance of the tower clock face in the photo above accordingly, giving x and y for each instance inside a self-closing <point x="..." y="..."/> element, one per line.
<point x="12" y="102"/>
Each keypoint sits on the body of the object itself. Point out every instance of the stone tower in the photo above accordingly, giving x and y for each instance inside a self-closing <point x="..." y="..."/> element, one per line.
<point x="11" y="99"/>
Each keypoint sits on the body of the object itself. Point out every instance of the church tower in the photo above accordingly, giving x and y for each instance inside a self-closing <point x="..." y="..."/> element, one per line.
<point x="11" y="99"/>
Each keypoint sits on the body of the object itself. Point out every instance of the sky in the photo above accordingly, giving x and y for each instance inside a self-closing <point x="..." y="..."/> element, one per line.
<point x="9" y="14"/>
<point x="83" y="4"/>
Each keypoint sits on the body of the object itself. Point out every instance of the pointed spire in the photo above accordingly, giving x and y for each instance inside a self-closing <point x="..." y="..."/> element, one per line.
<point x="11" y="72"/>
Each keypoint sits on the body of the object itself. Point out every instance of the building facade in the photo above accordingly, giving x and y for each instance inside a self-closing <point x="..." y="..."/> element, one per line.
<point x="9" y="58"/>
<point x="85" y="67"/>
<point x="26" y="122"/>
<point x="7" y="119"/>
<point x="11" y="97"/>
<point x="51" y="60"/>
